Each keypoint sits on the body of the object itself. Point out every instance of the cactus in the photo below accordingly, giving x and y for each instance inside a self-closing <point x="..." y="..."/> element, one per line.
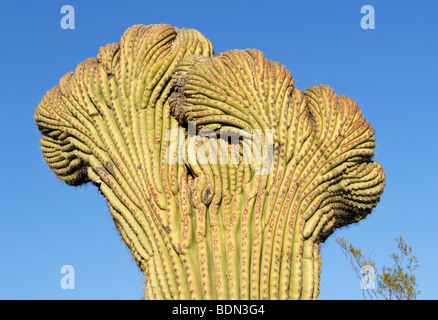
<point x="221" y="176"/>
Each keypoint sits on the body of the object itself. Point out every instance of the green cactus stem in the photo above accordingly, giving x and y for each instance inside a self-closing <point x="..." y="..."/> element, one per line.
<point x="221" y="176"/>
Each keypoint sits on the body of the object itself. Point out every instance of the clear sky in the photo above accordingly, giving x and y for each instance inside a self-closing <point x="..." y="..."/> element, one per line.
<point x="391" y="71"/>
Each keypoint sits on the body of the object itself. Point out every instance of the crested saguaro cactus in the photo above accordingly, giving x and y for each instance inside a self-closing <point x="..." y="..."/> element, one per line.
<point x="220" y="175"/>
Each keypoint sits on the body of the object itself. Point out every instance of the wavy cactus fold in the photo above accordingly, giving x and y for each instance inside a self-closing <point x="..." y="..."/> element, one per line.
<point x="221" y="176"/>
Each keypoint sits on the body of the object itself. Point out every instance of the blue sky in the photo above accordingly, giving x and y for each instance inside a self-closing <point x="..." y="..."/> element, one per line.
<point x="391" y="71"/>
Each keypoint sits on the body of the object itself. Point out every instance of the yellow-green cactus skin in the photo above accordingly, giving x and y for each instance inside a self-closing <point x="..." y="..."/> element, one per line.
<point x="247" y="223"/>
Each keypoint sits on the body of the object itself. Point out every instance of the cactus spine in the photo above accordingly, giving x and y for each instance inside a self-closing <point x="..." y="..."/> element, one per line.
<point x="285" y="167"/>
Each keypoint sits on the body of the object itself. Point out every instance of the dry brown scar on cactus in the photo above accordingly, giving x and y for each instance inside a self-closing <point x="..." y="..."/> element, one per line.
<point x="285" y="167"/>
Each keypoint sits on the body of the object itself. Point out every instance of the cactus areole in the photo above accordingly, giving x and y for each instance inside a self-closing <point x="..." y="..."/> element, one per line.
<point x="221" y="176"/>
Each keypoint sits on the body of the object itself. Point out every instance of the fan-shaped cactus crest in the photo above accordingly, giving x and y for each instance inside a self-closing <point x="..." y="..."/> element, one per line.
<point x="221" y="176"/>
